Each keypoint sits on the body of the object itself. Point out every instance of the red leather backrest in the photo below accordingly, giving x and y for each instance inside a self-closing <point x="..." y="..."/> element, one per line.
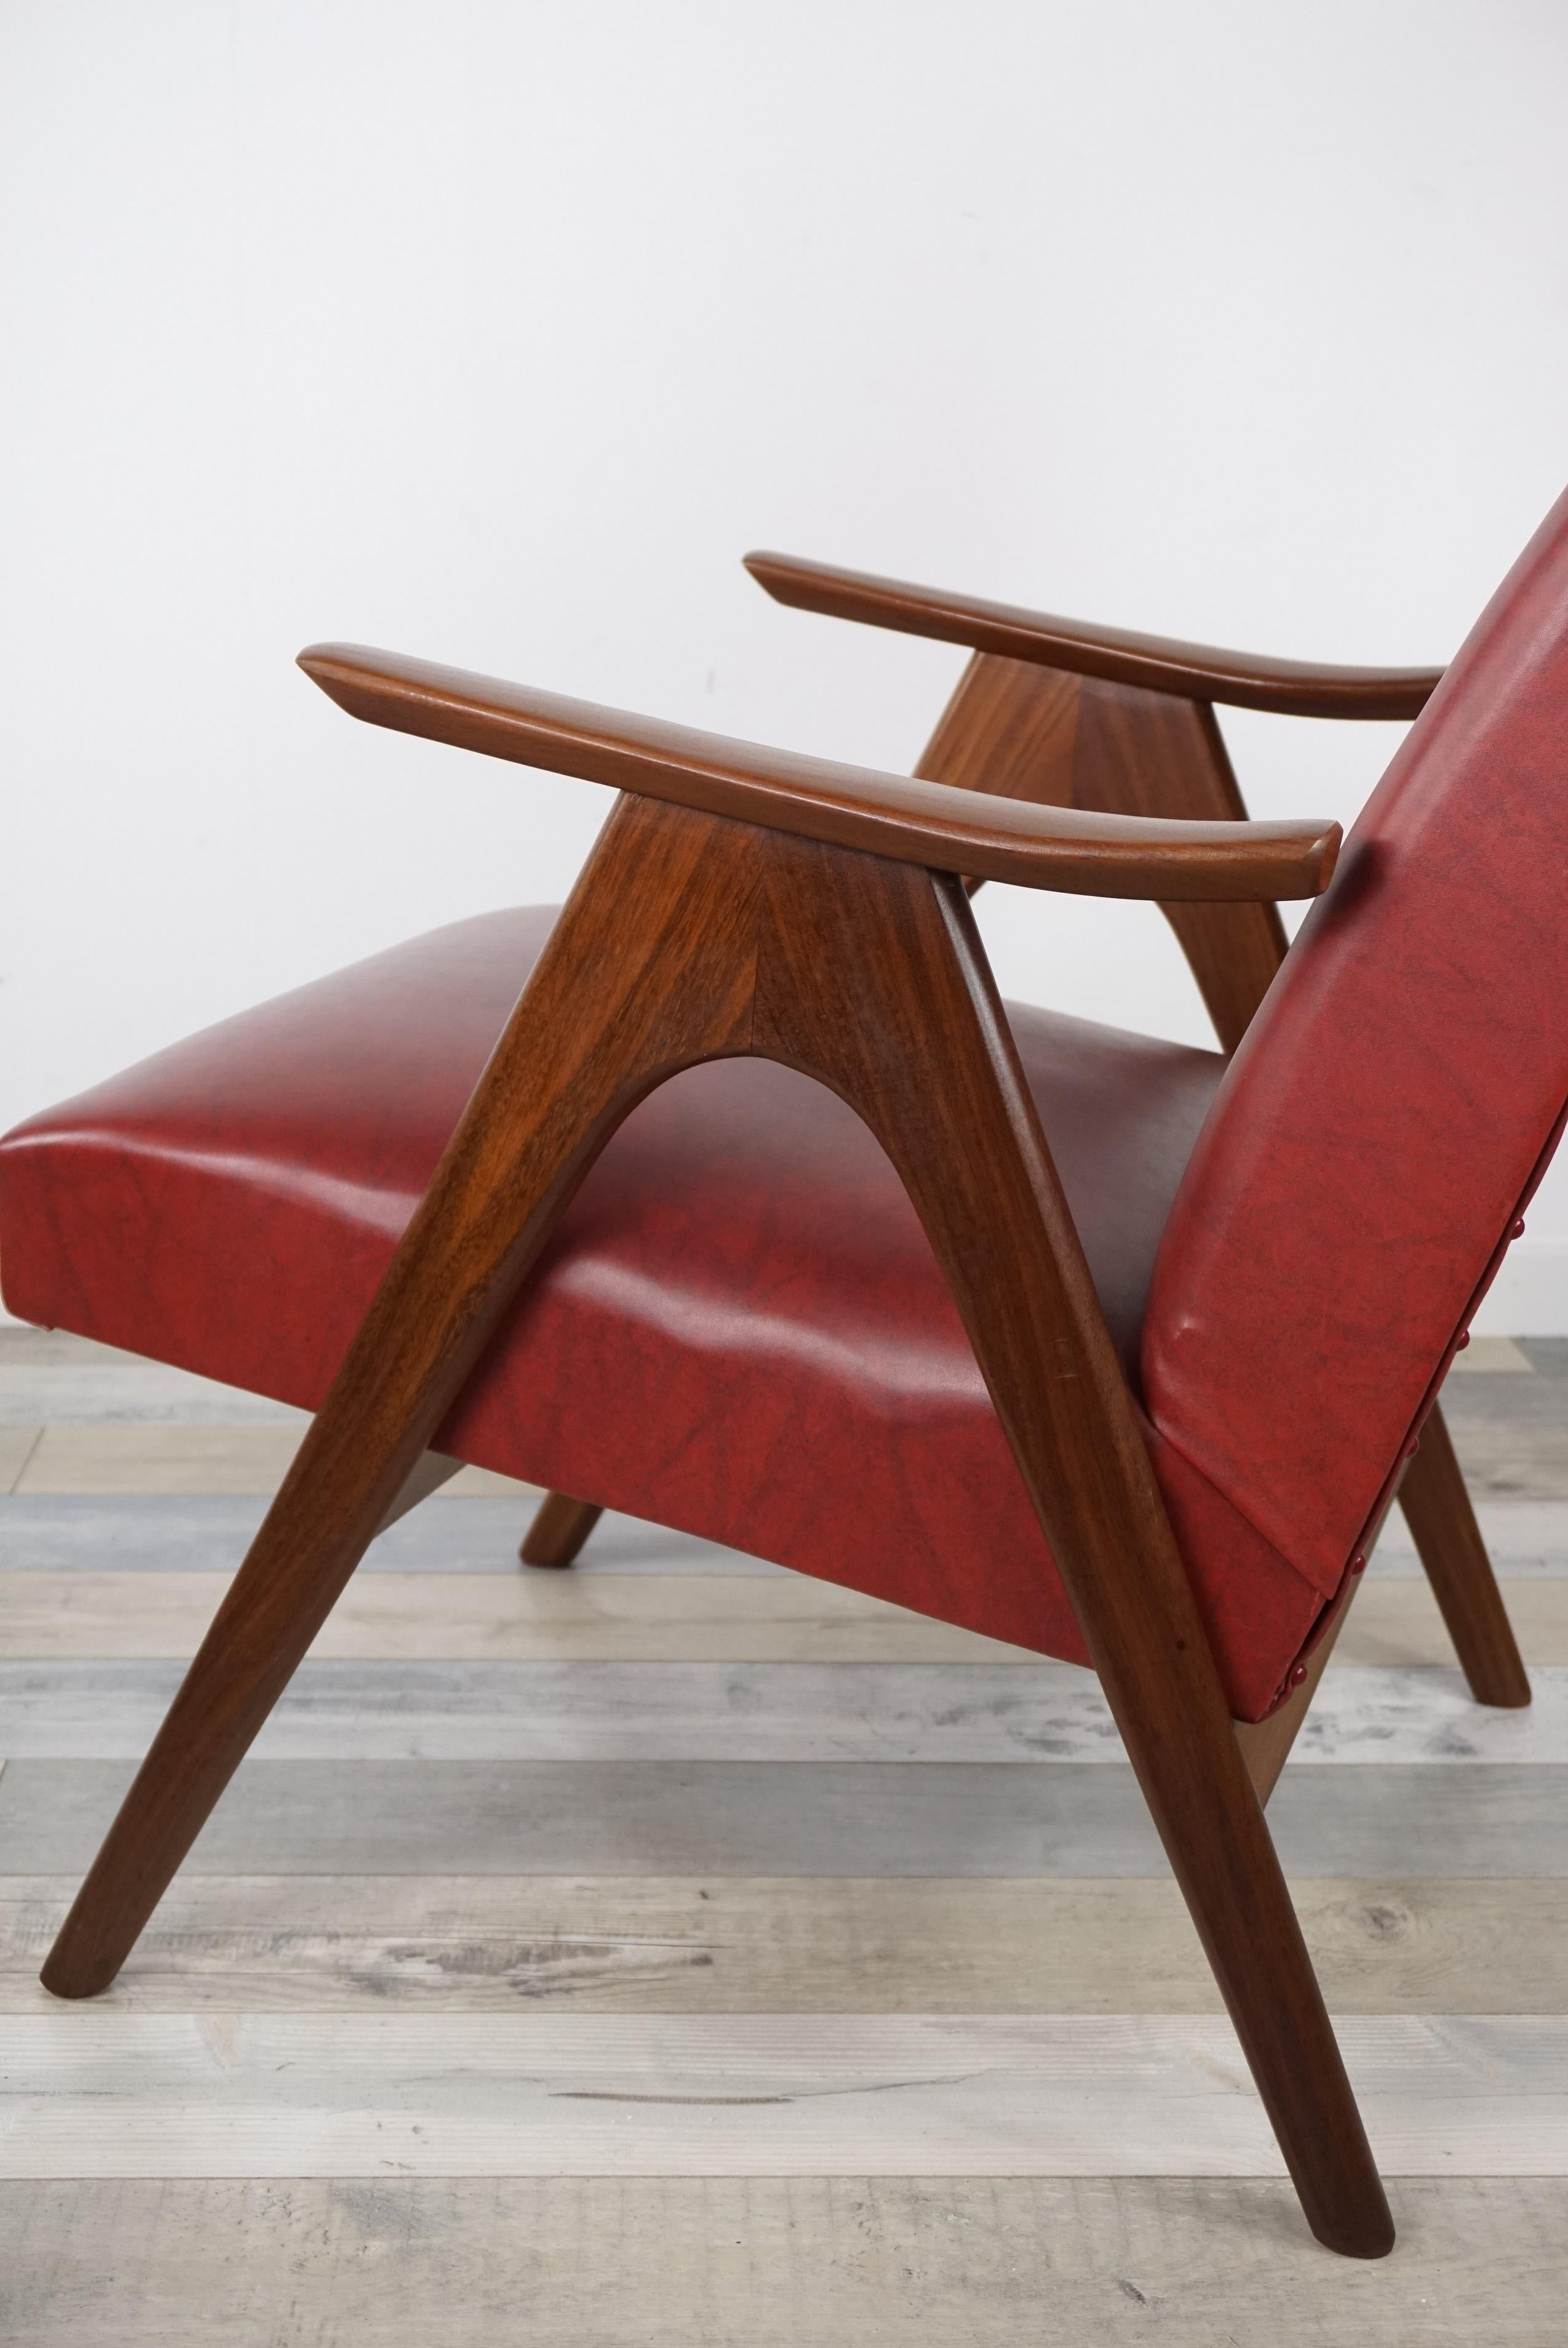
<point x="1392" y="1106"/>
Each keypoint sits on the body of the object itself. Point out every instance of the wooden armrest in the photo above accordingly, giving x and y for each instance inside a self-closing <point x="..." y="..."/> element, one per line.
<point x="914" y="822"/>
<point x="1192" y="672"/>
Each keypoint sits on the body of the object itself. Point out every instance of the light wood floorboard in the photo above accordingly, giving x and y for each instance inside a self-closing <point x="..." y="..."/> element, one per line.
<point x="111" y="1459"/>
<point x="471" y="1525"/>
<point x="59" y="1349"/>
<point x="520" y="1616"/>
<point x="18" y="1445"/>
<point x="1528" y="1539"/>
<point x="64" y="1394"/>
<point x="1504" y="1353"/>
<point x="738" y="1818"/>
<point x="622" y="1617"/>
<point x="726" y="1944"/>
<point x="1523" y="1538"/>
<point x="803" y="1953"/>
<point x="760" y="2262"/>
<point x="95" y="2093"/>
<point x="113" y="1456"/>
<point x="1018" y="1712"/>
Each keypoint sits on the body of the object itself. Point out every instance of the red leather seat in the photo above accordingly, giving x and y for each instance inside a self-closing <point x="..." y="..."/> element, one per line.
<point x="739" y="1329"/>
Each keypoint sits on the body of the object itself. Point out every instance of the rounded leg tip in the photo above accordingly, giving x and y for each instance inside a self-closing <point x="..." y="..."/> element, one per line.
<point x="60" y="1981"/>
<point x="1372" y="2237"/>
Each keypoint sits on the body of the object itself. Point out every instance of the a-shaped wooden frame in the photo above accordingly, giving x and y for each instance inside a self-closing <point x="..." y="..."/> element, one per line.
<point x="736" y="902"/>
<point x="1061" y="715"/>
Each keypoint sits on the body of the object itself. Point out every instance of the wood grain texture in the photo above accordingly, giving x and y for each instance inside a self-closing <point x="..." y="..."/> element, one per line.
<point x="463" y="1601"/>
<point x="479" y="1617"/>
<point x="897" y="817"/>
<point x="100" y="2093"/>
<point x="736" y="1818"/>
<point x="21" y="1345"/>
<point x="1485" y="1355"/>
<point x="18" y="1445"/>
<point x="468" y="1532"/>
<point x="118" y="1460"/>
<point x="1508" y="1463"/>
<point x="1011" y="728"/>
<point x="1396" y="1621"/>
<point x="112" y="1459"/>
<point x="1153" y="664"/>
<point x="766" y="2262"/>
<point x="200" y="1531"/>
<point x="767" y="1944"/>
<point x="1037" y="1715"/>
<point x="62" y="1395"/>
<point x="1139" y="750"/>
<point x="1026" y="732"/>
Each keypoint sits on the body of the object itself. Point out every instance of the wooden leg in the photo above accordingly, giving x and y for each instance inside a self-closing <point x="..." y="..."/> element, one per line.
<point x="1447" y="1540"/>
<point x="871" y="977"/>
<point x="648" y="969"/>
<point x="558" y="1530"/>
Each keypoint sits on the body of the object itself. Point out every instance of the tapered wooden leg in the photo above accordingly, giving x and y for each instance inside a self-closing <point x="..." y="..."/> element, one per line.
<point x="872" y="978"/>
<point x="1447" y="1540"/>
<point x="648" y="969"/>
<point x="558" y="1530"/>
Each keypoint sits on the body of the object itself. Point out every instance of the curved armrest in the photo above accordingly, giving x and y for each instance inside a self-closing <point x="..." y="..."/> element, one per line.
<point x="1193" y="672"/>
<point x="848" y="806"/>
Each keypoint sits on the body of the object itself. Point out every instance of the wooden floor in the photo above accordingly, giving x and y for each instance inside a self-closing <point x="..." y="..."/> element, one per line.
<point x="677" y="1951"/>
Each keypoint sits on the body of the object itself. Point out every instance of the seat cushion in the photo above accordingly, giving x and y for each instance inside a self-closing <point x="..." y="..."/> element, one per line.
<point x="739" y="1328"/>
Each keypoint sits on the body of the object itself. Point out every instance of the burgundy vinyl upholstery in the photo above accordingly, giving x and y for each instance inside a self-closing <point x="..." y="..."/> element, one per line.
<point x="740" y="1328"/>
<point x="1391" y="1111"/>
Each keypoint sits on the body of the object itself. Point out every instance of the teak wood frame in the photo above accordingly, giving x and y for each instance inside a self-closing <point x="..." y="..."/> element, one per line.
<point x="736" y="903"/>
<point x="1137" y="740"/>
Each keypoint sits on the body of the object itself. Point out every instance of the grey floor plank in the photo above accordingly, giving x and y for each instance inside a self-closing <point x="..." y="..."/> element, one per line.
<point x="103" y="1613"/>
<point x="64" y="1394"/>
<point x="58" y="1349"/>
<point x="1510" y="1434"/>
<point x="992" y="1711"/>
<point x="640" y="1817"/>
<point x="1523" y="1538"/>
<point x="532" y="1617"/>
<point x="18" y="1445"/>
<point x="789" y="2263"/>
<point x="452" y="1532"/>
<point x="462" y="1532"/>
<point x="91" y="2091"/>
<point x="770" y="1945"/>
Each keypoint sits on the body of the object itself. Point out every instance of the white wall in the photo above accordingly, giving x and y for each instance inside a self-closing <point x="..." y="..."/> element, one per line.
<point x="497" y="332"/>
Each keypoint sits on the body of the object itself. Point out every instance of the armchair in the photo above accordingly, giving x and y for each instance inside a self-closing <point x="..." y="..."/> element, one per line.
<point x="1111" y="1348"/>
